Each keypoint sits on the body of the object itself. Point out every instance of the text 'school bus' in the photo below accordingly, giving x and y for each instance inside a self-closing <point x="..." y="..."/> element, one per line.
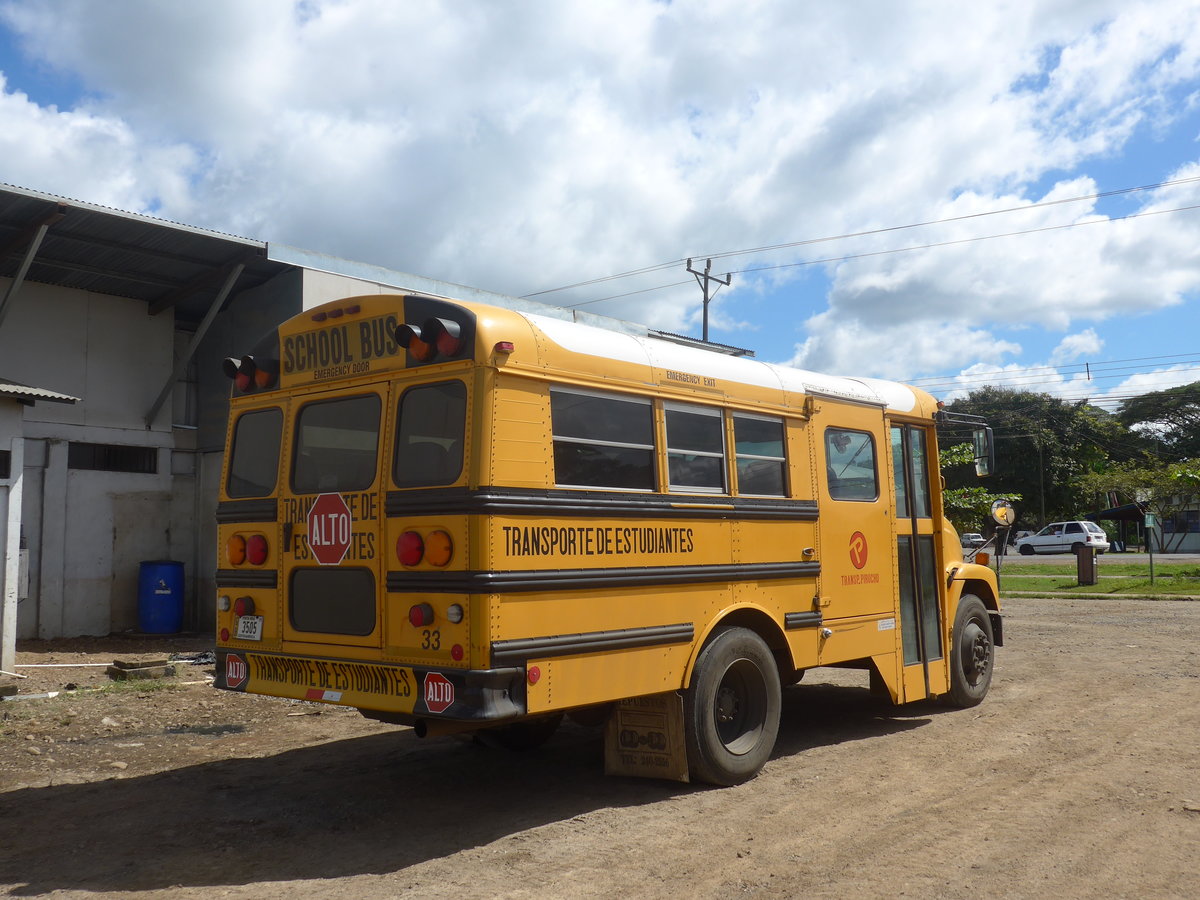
<point x="457" y="516"/>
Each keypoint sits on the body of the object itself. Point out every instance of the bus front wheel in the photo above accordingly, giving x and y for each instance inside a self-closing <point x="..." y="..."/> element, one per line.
<point x="731" y="708"/>
<point x="972" y="653"/>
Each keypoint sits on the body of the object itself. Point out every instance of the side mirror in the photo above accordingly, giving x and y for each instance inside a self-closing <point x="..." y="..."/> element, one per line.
<point x="985" y="451"/>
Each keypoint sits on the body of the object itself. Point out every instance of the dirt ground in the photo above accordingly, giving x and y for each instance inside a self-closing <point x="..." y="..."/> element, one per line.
<point x="1077" y="777"/>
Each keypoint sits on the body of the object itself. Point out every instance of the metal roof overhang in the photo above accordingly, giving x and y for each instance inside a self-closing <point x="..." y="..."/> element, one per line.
<point x="27" y="395"/>
<point x="54" y="240"/>
<point x="1130" y="512"/>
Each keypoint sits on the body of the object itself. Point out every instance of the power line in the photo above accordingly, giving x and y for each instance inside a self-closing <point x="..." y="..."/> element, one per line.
<point x="936" y="244"/>
<point x="1098" y="366"/>
<point x="1048" y="378"/>
<point x="965" y="217"/>
<point x="865" y="233"/>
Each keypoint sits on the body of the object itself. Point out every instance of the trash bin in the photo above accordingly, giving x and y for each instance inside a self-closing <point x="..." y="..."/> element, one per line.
<point x="1085" y="565"/>
<point x="160" y="596"/>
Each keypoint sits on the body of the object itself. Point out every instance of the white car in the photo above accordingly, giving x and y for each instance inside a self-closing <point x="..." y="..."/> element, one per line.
<point x="1064" y="537"/>
<point x="971" y="540"/>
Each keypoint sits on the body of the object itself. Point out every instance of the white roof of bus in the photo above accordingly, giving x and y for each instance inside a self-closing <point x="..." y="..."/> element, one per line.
<point x="616" y="345"/>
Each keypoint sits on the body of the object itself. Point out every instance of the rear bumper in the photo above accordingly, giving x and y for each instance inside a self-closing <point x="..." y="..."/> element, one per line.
<point x="402" y="693"/>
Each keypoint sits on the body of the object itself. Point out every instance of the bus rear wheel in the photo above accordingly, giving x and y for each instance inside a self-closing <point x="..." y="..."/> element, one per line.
<point x="731" y="708"/>
<point x="972" y="653"/>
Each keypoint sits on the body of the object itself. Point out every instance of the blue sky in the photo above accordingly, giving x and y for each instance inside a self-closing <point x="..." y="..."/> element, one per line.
<point x="524" y="147"/>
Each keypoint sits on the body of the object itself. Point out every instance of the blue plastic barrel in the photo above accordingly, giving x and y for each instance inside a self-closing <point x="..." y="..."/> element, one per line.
<point x="160" y="596"/>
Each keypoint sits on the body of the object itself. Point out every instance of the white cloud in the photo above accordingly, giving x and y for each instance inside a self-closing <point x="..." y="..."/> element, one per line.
<point x="1075" y="346"/>
<point x="897" y="351"/>
<point x="87" y="156"/>
<point x="522" y="146"/>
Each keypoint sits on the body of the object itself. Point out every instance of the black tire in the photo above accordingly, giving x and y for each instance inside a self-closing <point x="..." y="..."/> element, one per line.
<point x="972" y="653"/>
<point x="528" y="734"/>
<point x="591" y="716"/>
<point x="1026" y="550"/>
<point x="731" y="708"/>
<point x="1076" y="547"/>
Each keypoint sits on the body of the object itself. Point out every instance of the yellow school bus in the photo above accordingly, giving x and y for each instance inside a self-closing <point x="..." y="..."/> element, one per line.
<point x="463" y="517"/>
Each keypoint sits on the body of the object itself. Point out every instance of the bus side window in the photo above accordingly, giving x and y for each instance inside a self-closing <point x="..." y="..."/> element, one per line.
<point x="430" y="431"/>
<point x="601" y="440"/>
<point x="695" y="448"/>
<point x="850" y="465"/>
<point x="254" y="455"/>
<point x="761" y="463"/>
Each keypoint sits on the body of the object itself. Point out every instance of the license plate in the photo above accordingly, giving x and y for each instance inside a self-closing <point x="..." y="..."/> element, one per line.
<point x="249" y="628"/>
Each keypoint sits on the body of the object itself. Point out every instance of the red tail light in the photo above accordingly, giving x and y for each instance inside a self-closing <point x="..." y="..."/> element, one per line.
<point x="410" y="549"/>
<point x="256" y="549"/>
<point x="420" y="615"/>
<point x="243" y="606"/>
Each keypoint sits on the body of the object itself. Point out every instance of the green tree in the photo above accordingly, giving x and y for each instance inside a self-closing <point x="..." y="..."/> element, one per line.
<point x="967" y="508"/>
<point x="1169" y="419"/>
<point x="1044" y="447"/>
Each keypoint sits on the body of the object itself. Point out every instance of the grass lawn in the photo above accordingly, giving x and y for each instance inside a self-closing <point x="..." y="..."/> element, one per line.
<point x="1115" y="578"/>
<point x="1104" y="566"/>
<point x="1140" y="587"/>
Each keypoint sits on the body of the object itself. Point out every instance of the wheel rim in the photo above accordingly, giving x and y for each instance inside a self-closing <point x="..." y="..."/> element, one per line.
<point x="975" y="653"/>
<point x="740" y="706"/>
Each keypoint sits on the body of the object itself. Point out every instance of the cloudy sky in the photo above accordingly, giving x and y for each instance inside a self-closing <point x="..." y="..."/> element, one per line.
<point x="929" y="191"/>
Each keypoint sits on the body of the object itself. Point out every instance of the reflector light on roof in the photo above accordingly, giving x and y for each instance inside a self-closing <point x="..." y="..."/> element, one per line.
<point x="436" y="336"/>
<point x="249" y="373"/>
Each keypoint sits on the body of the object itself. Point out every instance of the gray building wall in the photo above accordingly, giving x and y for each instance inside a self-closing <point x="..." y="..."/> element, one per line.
<point x="87" y="530"/>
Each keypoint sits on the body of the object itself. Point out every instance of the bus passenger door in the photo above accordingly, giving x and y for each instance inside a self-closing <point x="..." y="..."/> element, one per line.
<point x="919" y="587"/>
<point x="855" y="535"/>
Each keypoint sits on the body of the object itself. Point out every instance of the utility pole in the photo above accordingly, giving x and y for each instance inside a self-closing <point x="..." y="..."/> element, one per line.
<point x="702" y="279"/>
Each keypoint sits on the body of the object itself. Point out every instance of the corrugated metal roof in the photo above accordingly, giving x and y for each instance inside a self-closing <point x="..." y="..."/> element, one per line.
<point x="27" y="394"/>
<point x="95" y="248"/>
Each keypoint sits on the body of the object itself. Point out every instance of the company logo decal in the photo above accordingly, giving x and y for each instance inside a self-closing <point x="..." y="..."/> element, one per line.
<point x="858" y="557"/>
<point x="858" y="550"/>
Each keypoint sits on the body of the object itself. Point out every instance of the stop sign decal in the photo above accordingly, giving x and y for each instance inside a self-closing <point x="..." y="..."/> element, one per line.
<point x="235" y="671"/>
<point x="439" y="692"/>
<point x="329" y="529"/>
